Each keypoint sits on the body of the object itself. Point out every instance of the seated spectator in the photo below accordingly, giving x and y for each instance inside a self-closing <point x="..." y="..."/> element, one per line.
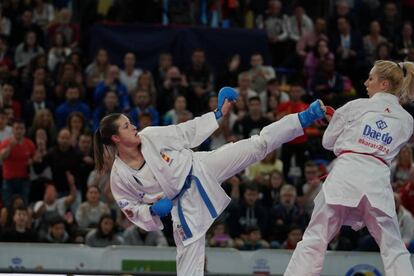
<point x="6" y="58"/>
<point x="294" y="236"/>
<point x="110" y="104"/>
<point x="77" y="125"/>
<point x="98" y="69"/>
<point x="142" y="104"/>
<point x="407" y="193"/>
<point x="69" y="74"/>
<point x="372" y="40"/>
<point x="251" y="240"/>
<point x="405" y="220"/>
<point x="259" y="73"/>
<point x="174" y="85"/>
<point x="299" y="24"/>
<point x="19" y="232"/>
<point x="43" y="13"/>
<point x="5" y="130"/>
<point x="246" y="212"/>
<point x="244" y="87"/>
<point x="285" y="214"/>
<point x="5" y="24"/>
<point x="271" y="97"/>
<point x="22" y="26"/>
<point x="129" y="75"/>
<point x="66" y="27"/>
<point x="259" y="172"/>
<point x="271" y="191"/>
<point x="57" y="232"/>
<point x="112" y="83"/>
<point x="308" y="41"/>
<point x="402" y="167"/>
<point x="219" y="236"/>
<point x="405" y="41"/>
<point x="146" y="82"/>
<point x="43" y="119"/>
<point x="7" y="212"/>
<point x="310" y="188"/>
<point x="36" y="103"/>
<point x="90" y="211"/>
<point x="7" y="99"/>
<point x="134" y="235"/>
<point x="172" y="116"/>
<point x="52" y="206"/>
<point x="87" y="164"/>
<point x="231" y="72"/>
<point x="73" y="103"/>
<point x="104" y="235"/>
<point x="314" y="59"/>
<point x="27" y="50"/>
<point x="160" y="72"/>
<point x="58" y="53"/>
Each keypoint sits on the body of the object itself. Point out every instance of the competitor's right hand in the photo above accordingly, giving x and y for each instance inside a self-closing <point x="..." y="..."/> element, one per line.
<point x="161" y="208"/>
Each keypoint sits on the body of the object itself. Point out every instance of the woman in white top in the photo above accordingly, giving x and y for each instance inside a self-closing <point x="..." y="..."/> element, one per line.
<point x="156" y="168"/>
<point x="366" y="135"/>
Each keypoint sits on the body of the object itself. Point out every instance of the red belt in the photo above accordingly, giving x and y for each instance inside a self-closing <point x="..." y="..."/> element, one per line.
<point x="356" y="152"/>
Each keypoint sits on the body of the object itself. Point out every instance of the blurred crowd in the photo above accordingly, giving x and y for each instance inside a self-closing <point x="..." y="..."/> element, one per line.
<point x="53" y="95"/>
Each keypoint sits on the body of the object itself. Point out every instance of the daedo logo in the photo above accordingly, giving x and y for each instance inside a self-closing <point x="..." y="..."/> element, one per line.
<point x="379" y="136"/>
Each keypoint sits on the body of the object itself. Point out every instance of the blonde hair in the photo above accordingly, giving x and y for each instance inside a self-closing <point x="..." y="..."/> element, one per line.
<point x="400" y="76"/>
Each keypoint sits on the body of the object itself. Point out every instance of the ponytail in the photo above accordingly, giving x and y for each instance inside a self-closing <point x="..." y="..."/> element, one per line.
<point x="104" y="147"/>
<point x="407" y="87"/>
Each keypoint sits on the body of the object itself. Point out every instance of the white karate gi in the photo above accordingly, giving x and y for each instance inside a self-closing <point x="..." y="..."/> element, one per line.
<point x="167" y="153"/>
<point x="357" y="192"/>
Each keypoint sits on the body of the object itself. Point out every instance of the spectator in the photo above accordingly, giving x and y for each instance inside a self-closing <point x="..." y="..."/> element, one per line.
<point x="251" y="240"/>
<point x="271" y="97"/>
<point x="6" y="59"/>
<point x="98" y="69"/>
<point x="61" y="158"/>
<point x="84" y="147"/>
<point x="73" y="103"/>
<point x="43" y="13"/>
<point x="69" y="30"/>
<point x="219" y="236"/>
<point x="405" y="220"/>
<point x="173" y="115"/>
<point x="160" y="72"/>
<point x="58" y="53"/>
<point x="112" y="83"/>
<point x="285" y="214"/>
<point x="259" y="73"/>
<point x="405" y="41"/>
<point x="175" y="85"/>
<point x="252" y="122"/>
<point x="68" y="75"/>
<point x="36" y="103"/>
<point x="299" y="24"/>
<point x="342" y="9"/>
<point x="92" y="209"/>
<point x="271" y="191"/>
<point x="146" y="83"/>
<point x="17" y="153"/>
<point x="104" y="235"/>
<point x="383" y="51"/>
<point x="77" y="125"/>
<point x="296" y="147"/>
<point x="372" y="40"/>
<point x="5" y="24"/>
<point x="7" y="99"/>
<point x="5" y="130"/>
<point x="247" y="212"/>
<point x="200" y="81"/>
<point x="259" y="172"/>
<point x="230" y="75"/>
<point x="57" y="232"/>
<point x="294" y="236"/>
<point x="311" y="187"/>
<point x="315" y="57"/>
<point x="134" y="235"/>
<point x="129" y="75"/>
<point x="309" y="40"/>
<point x="244" y="87"/>
<point x="390" y="21"/>
<point x="402" y="167"/>
<point x="43" y="119"/>
<point x="275" y="24"/>
<point x="142" y="104"/>
<point x="7" y="212"/>
<point x="22" y="27"/>
<point x="407" y="193"/>
<point x="110" y="104"/>
<point x="27" y="50"/>
<point x="52" y="206"/>
<point x="20" y="232"/>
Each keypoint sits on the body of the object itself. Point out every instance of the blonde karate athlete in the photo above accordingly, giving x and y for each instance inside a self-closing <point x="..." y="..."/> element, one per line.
<point x="366" y="135"/>
<point x="155" y="171"/>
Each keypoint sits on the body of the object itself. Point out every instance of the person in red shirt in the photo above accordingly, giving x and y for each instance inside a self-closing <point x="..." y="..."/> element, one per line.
<point x="17" y="153"/>
<point x="407" y="193"/>
<point x="296" y="147"/>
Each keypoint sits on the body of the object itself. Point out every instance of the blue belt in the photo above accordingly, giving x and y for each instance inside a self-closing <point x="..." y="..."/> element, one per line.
<point x="204" y="197"/>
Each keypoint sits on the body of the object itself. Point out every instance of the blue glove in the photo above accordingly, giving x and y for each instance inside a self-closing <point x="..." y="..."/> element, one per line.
<point x="313" y="113"/>
<point x="225" y="93"/>
<point x="161" y="208"/>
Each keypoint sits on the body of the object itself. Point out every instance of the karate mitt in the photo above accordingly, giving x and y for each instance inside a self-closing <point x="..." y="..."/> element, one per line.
<point x="161" y="208"/>
<point x="225" y="93"/>
<point x="312" y="113"/>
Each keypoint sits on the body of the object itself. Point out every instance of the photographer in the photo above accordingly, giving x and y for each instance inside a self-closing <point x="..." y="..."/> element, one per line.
<point x="175" y="84"/>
